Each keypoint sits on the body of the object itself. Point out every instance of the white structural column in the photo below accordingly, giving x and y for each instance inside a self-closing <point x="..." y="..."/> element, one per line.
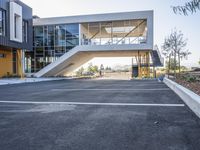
<point x="15" y="22"/>
<point x="80" y="35"/>
<point x="23" y="61"/>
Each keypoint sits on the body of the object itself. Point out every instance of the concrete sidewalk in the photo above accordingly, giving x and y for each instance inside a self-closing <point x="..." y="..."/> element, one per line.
<point x="26" y="80"/>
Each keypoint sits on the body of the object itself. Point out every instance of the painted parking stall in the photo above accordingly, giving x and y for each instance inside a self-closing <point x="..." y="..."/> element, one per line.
<point x="90" y="114"/>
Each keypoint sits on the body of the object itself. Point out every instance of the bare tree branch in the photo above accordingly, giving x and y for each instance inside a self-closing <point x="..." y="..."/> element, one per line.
<point x="189" y="7"/>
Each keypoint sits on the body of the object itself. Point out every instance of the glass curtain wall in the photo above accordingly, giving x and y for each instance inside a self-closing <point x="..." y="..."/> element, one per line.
<point x="52" y="41"/>
<point x="115" y="32"/>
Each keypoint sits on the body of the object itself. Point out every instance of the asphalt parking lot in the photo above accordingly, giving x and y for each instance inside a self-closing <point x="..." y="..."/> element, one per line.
<point x="95" y="115"/>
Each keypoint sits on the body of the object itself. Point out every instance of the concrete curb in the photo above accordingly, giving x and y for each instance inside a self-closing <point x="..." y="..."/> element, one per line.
<point x="28" y="80"/>
<point x="189" y="97"/>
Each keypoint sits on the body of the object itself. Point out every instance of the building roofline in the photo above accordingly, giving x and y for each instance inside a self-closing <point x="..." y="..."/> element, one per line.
<point x="94" y="17"/>
<point x="21" y="3"/>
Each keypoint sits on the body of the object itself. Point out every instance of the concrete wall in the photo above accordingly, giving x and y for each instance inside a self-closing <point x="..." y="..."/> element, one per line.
<point x="189" y="97"/>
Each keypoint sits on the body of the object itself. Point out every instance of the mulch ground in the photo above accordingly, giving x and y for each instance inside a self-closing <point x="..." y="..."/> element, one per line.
<point x="194" y="86"/>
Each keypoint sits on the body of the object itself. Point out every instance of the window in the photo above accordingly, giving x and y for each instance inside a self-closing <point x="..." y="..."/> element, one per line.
<point x="72" y="35"/>
<point x="16" y="21"/>
<point x="38" y="36"/>
<point x="15" y="26"/>
<point x="17" y="34"/>
<point x="115" y="32"/>
<point x="60" y="35"/>
<point x="14" y="55"/>
<point x="45" y="36"/>
<point x="2" y="22"/>
<point x="2" y="55"/>
<point x="72" y="29"/>
<point x="25" y="31"/>
<point x="50" y="36"/>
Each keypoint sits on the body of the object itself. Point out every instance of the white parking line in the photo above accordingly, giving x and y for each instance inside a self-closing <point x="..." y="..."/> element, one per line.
<point x="97" y="104"/>
<point x="159" y="89"/>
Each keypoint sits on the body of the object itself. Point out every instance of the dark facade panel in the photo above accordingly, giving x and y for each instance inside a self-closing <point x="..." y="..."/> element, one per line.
<point x="27" y="16"/>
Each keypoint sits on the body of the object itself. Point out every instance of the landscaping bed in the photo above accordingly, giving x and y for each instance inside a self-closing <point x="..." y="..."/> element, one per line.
<point x="190" y="80"/>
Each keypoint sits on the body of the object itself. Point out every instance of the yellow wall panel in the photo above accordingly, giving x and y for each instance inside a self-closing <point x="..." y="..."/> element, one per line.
<point x="6" y="65"/>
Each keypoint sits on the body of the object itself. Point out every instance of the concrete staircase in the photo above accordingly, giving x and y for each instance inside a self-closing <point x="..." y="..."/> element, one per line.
<point x="156" y="58"/>
<point x="66" y="63"/>
<point x="79" y="55"/>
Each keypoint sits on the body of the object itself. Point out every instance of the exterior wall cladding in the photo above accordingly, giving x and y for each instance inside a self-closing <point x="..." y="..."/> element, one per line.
<point x="27" y="16"/>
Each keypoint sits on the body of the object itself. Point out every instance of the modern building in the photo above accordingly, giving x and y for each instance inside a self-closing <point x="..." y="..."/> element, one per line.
<point x="62" y="44"/>
<point x="57" y="46"/>
<point x="15" y="36"/>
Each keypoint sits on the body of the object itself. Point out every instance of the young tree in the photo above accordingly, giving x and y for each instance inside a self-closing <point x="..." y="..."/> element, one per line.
<point x="92" y="69"/>
<point x="108" y="68"/>
<point x="95" y="69"/>
<point x="80" y="72"/>
<point x="191" y="6"/>
<point x="174" y="45"/>
<point x="166" y="51"/>
<point x="170" y="64"/>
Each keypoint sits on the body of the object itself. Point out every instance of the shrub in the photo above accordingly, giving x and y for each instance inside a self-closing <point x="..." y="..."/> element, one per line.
<point x="190" y="78"/>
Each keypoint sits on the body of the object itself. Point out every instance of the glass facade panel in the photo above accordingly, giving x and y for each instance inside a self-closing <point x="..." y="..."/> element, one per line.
<point x="25" y="31"/>
<point x="72" y="42"/>
<point x="29" y="62"/>
<point x="72" y="29"/>
<point x="52" y="41"/>
<point x="60" y="35"/>
<point x="94" y="35"/>
<point x="15" y="25"/>
<point x="45" y="36"/>
<point x="49" y="57"/>
<point x="106" y="33"/>
<point x="115" y="32"/>
<point x="51" y="36"/>
<point x="39" y="63"/>
<point x="38" y="36"/>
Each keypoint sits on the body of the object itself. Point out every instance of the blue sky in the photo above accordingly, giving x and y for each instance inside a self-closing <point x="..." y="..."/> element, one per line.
<point x="164" y="18"/>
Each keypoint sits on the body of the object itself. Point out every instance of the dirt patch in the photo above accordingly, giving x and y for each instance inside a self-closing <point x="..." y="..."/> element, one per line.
<point x="194" y="86"/>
